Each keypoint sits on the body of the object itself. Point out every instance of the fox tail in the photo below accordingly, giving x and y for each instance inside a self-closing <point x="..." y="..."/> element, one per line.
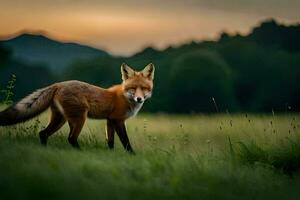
<point x="28" y="107"/>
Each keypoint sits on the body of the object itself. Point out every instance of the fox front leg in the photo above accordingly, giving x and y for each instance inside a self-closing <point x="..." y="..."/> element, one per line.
<point x="110" y="133"/>
<point x="122" y="133"/>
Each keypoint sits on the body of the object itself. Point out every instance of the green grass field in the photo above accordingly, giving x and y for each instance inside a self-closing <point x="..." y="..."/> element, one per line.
<point x="178" y="157"/>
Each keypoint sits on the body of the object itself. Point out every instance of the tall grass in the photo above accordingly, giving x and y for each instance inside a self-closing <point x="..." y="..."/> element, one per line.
<point x="8" y="93"/>
<point x="178" y="157"/>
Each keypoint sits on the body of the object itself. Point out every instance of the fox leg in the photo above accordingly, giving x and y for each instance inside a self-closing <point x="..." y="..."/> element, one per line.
<point x="76" y="125"/>
<point x="110" y="132"/>
<point x="122" y="133"/>
<point x="56" y="122"/>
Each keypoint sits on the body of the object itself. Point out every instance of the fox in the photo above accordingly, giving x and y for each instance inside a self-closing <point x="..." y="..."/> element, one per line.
<point x="74" y="101"/>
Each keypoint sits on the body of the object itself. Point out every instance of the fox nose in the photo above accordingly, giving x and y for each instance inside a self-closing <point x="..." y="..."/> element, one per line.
<point x="139" y="100"/>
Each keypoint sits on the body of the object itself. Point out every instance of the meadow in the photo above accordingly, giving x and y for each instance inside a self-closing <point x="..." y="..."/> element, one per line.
<point x="220" y="156"/>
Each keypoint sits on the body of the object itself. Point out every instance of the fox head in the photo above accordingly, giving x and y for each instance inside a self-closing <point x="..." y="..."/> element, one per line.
<point x="137" y="86"/>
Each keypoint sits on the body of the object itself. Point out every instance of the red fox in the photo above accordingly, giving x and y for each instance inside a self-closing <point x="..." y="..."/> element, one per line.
<point x="74" y="101"/>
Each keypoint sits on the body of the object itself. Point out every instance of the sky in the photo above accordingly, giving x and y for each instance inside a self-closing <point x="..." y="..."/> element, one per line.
<point x="127" y="26"/>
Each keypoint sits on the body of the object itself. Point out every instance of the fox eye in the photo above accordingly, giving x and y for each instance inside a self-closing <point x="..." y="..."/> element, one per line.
<point x="130" y="89"/>
<point x="145" y="88"/>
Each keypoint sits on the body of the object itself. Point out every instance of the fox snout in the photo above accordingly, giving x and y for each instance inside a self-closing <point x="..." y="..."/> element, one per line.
<point x="139" y="95"/>
<point x="139" y="99"/>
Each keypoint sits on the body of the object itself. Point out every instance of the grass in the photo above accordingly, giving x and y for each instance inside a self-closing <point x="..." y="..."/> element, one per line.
<point x="178" y="157"/>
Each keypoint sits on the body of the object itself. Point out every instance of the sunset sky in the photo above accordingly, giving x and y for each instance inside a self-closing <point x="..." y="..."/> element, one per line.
<point x="124" y="27"/>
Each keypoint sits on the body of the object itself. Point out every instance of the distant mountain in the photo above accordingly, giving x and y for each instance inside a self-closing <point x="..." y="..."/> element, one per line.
<point x="56" y="55"/>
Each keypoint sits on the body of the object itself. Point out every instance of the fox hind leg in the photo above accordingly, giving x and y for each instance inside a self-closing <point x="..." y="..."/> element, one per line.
<point x="56" y="122"/>
<point x="110" y="132"/>
<point x="76" y="125"/>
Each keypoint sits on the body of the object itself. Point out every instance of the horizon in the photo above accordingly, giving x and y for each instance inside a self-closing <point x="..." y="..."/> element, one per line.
<point x="48" y="36"/>
<point x="126" y="28"/>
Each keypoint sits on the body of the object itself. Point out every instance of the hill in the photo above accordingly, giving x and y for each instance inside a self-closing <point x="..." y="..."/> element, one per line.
<point x="39" y="49"/>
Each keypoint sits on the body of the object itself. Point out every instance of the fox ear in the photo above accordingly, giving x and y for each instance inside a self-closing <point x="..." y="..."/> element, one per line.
<point x="148" y="71"/>
<point x="126" y="71"/>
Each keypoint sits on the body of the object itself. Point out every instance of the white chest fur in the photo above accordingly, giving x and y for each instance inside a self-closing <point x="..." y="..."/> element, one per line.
<point x="134" y="109"/>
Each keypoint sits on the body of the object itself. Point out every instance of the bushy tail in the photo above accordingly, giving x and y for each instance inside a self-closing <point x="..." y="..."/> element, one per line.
<point x="28" y="107"/>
